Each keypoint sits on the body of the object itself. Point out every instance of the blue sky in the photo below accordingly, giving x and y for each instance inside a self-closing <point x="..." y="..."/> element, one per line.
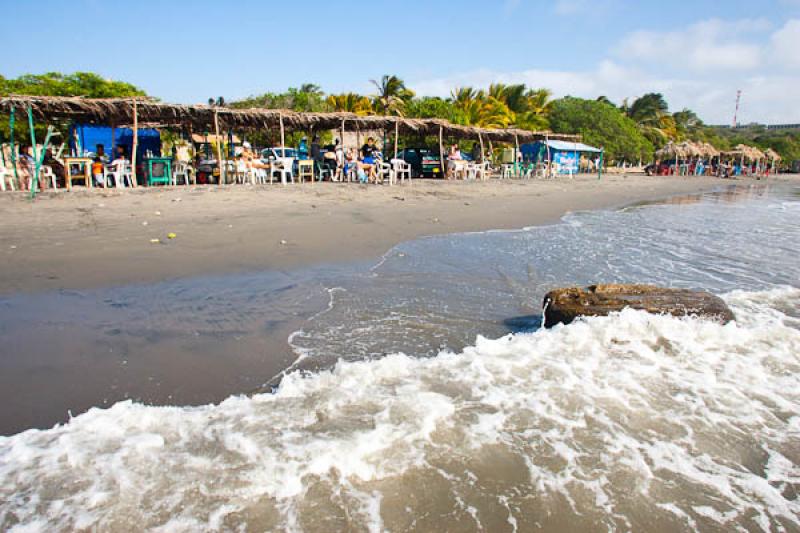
<point x="698" y="53"/>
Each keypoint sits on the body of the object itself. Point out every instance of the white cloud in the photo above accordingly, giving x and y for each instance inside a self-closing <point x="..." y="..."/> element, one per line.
<point x="700" y="67"/>
<point x="708" y="45"/>
<point x="785" y="45"/>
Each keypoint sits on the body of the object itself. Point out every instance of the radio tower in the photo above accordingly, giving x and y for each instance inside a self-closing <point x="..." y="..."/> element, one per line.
<point x="736" y="112"/>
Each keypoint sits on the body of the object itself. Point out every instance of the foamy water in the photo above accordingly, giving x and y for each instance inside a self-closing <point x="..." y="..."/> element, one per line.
<point x="629" y="422"/>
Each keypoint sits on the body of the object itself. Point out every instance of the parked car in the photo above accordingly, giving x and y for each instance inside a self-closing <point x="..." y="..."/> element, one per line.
<point x="424" y="162"/>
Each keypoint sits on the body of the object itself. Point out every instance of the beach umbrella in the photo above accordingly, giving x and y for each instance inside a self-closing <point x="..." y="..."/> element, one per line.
<point x="773" y="156"/>
<point x="709" y="150"/>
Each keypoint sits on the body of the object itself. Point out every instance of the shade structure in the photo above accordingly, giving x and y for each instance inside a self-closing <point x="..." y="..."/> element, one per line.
<point x="119" y="111"/>
<point x="772" y="155"/>
<point x="671" y="149"/>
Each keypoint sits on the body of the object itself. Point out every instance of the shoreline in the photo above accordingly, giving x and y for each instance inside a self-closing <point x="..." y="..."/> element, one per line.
<point x="93" y="240"/>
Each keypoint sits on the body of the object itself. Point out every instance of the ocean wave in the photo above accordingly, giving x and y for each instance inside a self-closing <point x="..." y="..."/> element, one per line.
<point x="632" y="421"/>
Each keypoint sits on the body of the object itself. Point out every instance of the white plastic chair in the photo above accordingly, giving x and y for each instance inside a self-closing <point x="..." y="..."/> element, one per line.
<point x="508" y="171"/>
<point x="401" y="170"/>
<point x="284" y="172"/>
<point x="482" y="170"/>
<point x="46" y="173"/>
<point x="121" y="172"/>
<point x="7" y="177"/>
<point x="183" y="170"/>
<point x="385" y="172"/>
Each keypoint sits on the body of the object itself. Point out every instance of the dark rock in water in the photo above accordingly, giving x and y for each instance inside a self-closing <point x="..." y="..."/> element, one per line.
<point x="565" y="305"/>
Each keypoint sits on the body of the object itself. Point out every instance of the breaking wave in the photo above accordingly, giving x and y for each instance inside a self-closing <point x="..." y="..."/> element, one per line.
<point x="632" y="421"/>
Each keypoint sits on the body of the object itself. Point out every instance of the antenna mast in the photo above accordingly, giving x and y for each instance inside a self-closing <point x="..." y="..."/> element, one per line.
<point x="736" y="112"/>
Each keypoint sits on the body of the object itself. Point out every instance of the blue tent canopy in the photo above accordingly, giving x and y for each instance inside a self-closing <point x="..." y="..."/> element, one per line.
<point x="565" y="154"/>
<point x="90" y="136"/>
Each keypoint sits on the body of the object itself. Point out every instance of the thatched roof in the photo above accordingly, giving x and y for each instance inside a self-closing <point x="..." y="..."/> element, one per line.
<point x="748" y="152"/>
<point x="671" y="149"/>
<point x="772" y="154"/>
<point x="119" y="111"/>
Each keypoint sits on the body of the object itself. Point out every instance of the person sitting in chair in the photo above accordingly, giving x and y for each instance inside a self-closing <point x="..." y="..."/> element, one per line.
<point x="368" y="161"/>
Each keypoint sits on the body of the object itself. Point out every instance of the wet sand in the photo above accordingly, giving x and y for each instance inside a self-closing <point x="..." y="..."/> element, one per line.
<point x="84" y="240"/>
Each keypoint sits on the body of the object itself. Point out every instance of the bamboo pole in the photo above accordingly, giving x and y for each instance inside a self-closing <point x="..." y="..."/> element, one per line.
<point x="222" y="178"/>
<point x="40" y="159"/>
<point x="517" y="168"/>
<point x="113" y="142"/>
<point x="11" y="143"/>
<point x="396" y="134"/>
<point x="441" y="151"/>
<point x="283" y="136"/>
<point x="344" y="155"/>
<point x="134" y="179"/>
<point x="547" y="149"/>
<point x="35" y="178"/>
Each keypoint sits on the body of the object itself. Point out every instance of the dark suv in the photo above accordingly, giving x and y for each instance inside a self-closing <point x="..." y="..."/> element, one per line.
<point x="424" y="162"/>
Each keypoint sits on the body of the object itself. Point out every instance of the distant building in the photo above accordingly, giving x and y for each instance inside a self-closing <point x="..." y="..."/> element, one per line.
<point x="756" y="125"/>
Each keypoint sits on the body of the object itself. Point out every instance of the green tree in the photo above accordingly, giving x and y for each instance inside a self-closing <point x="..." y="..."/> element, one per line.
<point x="601" y="125"/>
<point x="85" y="84"/>
<point x="430" y="107"/>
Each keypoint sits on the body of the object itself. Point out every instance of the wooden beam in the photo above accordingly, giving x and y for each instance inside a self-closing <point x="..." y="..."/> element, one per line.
<point x="396" y="134"/>
<point x="35" y="178"/>
<point x="134" y="179"/>
<point x="219" y="149"/>
<point x="113" y="143"/>
<point x="283" y="136"/>
<point x="441" y="152"/>
<point x="11" y="121"/>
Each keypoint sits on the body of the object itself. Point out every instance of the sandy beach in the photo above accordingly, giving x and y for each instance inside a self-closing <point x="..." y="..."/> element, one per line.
<point x="99" y="238"/>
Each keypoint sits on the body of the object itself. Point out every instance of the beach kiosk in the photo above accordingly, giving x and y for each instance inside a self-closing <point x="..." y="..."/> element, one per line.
<point x="564" y="155"/>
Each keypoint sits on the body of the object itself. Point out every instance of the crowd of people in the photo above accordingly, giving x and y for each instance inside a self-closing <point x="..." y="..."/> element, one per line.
<point x="700" y="167"/>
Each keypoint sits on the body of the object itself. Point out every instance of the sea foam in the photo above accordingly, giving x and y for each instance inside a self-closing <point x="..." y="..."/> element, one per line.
<point x="631" y="421"/>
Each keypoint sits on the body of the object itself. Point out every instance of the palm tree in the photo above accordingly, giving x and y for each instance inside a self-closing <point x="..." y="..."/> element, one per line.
<point x="477" y="108"/>
<point x="687" y="122"/>
<point x="467" y="103"/>
<point x="392" y="95"/>
<point x="538" y="105"/>
<point x="651" y="113"/>
<point x="311" y="88"/>
<point x="350" y="102"/>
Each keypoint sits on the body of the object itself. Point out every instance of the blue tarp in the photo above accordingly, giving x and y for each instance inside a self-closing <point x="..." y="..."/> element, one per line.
<point x="90" y="136"/>
<point x="566" y="154"/>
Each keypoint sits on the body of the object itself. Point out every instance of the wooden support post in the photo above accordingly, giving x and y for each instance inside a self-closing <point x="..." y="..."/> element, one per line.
<point x="344" y="155"/>
<point x="517" y="168"/>
<point x="547" y="149"/>
<point x="11" y="143"/>
<point x="483" y="156"/>
<point x="396" y="134"/>
<point x="222" y="178"/>
<point x="35" y="178"/>
<point x="441" y="152"/>
<point x="283" y="136"/>
<point x="40" y="159"/>
<point x="135" y="148"/>
<point x="112" y="155"/>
